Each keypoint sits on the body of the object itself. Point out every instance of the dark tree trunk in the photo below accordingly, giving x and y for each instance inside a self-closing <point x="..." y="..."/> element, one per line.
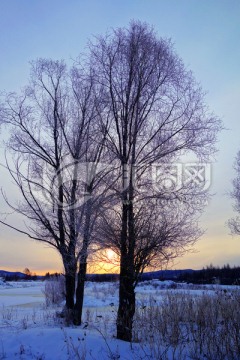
<point x="83" y="265"/>
<point x="80" y="292"/>
<point x="70" y="290"/>
<point x="70" y="281"/>
<point x="126" y="309"/>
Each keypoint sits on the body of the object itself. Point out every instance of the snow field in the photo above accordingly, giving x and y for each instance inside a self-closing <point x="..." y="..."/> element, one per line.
<point x="172" y="321"/>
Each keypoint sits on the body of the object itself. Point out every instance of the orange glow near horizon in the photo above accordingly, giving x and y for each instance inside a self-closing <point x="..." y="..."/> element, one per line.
<point x="34" y="272"/>
<point x="102" y="262"/>
<point x="41" y="259"/>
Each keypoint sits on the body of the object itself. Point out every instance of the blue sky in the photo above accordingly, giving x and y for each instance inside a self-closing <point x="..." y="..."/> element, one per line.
<point x="206" y="35"/>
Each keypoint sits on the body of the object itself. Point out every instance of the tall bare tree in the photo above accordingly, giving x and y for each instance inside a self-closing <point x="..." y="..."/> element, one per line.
<point x="56" y="147"/>
<point x="156" y="113"/>
<point x="234" y="223"/>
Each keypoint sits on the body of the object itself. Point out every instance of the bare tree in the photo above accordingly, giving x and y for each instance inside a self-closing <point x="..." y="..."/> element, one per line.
<point x="234" y="223"/>
<point x="56" y="147"/>
<point x="27" y="272"/>
<point x="156" y="113"/>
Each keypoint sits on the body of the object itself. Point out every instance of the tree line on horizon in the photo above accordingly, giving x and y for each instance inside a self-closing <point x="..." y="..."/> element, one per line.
<point x="225" y="275"/>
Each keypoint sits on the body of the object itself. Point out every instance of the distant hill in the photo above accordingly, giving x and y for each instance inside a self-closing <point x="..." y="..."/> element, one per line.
<point x="17" y="275"/>
<point x="225" y="275"/>
<point x="211" y="275"/>
<point x="166" y="274"/>
<point x="4" y="273"/>
<point x="160" y="274"/>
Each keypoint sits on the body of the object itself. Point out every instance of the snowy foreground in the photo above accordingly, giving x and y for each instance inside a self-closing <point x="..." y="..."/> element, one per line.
<point x="30" y="330"/>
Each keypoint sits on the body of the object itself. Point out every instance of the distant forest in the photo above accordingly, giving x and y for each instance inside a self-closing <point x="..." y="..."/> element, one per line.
<point x="225" y="275"/>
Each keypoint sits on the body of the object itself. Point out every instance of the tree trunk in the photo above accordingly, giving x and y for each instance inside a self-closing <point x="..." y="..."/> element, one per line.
<point x="70" y="285"/>
<point x="70" y="290"/>
<point x="83" y="263"/>
<point x="67" y="312"/>
<point x="126" y="309"/>
<point x="77" y="320"/>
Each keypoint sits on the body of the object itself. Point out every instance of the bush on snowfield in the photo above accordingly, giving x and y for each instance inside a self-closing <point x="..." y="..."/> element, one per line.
<point x="54" y="290"/>
<point x="204" y="326"/>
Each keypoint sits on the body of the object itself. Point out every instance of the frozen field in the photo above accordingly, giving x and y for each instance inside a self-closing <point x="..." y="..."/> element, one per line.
<point x="30" y="330"/>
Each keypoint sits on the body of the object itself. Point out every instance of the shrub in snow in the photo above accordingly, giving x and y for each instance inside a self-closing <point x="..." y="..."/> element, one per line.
<point x="184" y="326"/>
<point x="158" y="284"/>
<point x="104" y="290"/>
<point x="2" y="282"/>
<point x="54" y="291"/>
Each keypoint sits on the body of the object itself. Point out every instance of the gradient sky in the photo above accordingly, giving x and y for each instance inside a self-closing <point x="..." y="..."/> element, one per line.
<point x="206" y="35"/>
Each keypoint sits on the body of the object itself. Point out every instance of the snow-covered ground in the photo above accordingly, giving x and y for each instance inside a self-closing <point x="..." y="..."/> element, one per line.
<point x="30" y="330"/>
